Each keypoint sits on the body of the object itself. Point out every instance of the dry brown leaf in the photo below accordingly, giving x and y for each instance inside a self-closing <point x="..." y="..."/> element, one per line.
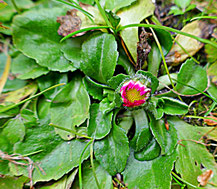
<point x="75" y="20"/>
<point x="205" y="177"/>
<point x="197" y="28"/>
<point x="69" y="23"/>
<point x="211" y="122"/>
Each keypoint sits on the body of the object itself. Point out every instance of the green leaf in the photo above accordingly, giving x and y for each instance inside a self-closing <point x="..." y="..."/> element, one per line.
<point x="43" y="110"/>
<point x="134" y="14"/>
<point x="115" y="5"/>
<point x="57" y="157"/>
<point x="212" y="72"/>
<point x="112" y="152"/>
<point x="106" y="106"/>
<point x="7" y="182"/>
<point x="35" y="34"/>
<point x="175" y="11"/>
<point x="115" y="81"/>
<point x="28" y="117"/>
<point x="72" y="50"/>
<point x="26" y="68"/>
<point x="9" y="113"/>
<point x="88" y="180"/>
<point x="164" y="80"/>
<point x="125" y="63"/>
<point x="182" y="4"/>
<point x="12" y="83"/>
<point x="192" y="155"/>
<point x="14" y="131"/>
<point x="64" y="182"/>
<point x="7" y="12"/>
<point x="90" y="2"/>
<point x="193" y="75"/>
<point x="150" y="152"/>
<point x="149" y="174"/>
<point x="93" y="88"/>
<point x="5" y="147"/>
<point x="165" y="40"/>
<point x="167" y="139"/>
<point x="154" y="81"/>
<point x="99" y="123"/>
<point x="70" y="107"/>
<point x="99" y="54"/>
<point x="173" y="106"/>
<point x="211" y="53"/>
<point x="154" y="59"/>
<point x="142" y="134"/>
<point x="113" y="18"/>
<point x="126" y="121"/>
<point x="212" y="90"/>
<point x="49" y="80"/>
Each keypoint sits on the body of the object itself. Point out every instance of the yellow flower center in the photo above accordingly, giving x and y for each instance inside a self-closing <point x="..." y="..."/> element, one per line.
<point x="132" y="95"/>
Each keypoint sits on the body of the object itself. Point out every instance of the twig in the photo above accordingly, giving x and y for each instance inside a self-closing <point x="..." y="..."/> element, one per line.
<point x="14" y="158"/>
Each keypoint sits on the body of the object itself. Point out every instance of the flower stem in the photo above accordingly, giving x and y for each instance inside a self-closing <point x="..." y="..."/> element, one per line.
<point x="80" y="160"/>
<point x="92" y="164"/>
<point x="16" y="7"/>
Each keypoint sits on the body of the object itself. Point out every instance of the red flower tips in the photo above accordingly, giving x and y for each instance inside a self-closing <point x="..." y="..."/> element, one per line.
<point x="134" y="93"/>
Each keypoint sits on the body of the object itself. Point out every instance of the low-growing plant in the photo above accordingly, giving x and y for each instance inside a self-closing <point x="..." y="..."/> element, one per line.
<point x="96" y="109"/>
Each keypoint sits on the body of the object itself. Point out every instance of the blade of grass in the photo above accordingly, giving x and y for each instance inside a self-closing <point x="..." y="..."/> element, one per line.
<point x="211" y="109"/>
<point x="84" y="30"/>
<point x="168" y="29"/>
<point x="15" y="6"/>
<point x="4" y="76"/>
<point x="163" y="58"/>
<point x="179" y="183"/>
<point x="92" y="164"/>
<point x="79" y="170"/>
<point x="30" y="98"/>
<point x="77" y="8"/>
<point x="101" y="10"/>
<point x="189" y="184"/>
<point x="200" y="117"/>
<point x="204" y="17"/>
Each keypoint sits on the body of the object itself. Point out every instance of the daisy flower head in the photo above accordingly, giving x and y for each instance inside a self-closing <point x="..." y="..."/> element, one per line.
<point x="134" y="93"/>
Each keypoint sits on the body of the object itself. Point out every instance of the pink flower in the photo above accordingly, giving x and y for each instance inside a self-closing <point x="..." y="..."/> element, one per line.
<point x="134" y="93"/>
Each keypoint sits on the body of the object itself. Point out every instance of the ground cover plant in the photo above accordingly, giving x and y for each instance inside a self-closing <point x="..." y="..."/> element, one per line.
<point x="108" y="94"/>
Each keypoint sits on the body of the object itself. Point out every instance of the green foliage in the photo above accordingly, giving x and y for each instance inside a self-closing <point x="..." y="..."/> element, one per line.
<point x="75" y="100"/>
<point x="186" y="153"/>
<point x="99" y="54"/>
<point x="99" y="123"/>
<point x="38" y="27"/>
<point x="105" y="180"/>
<point x="27" y="68"/>
<point x="146" y="174"/>
<point x="143" y="133"/>
<point x="113" y="151"/>
<point x="62" y="103"/>
<point x="167" y="139"/>
<point x="193" y="75"/>
<point x="115" y="5"/>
